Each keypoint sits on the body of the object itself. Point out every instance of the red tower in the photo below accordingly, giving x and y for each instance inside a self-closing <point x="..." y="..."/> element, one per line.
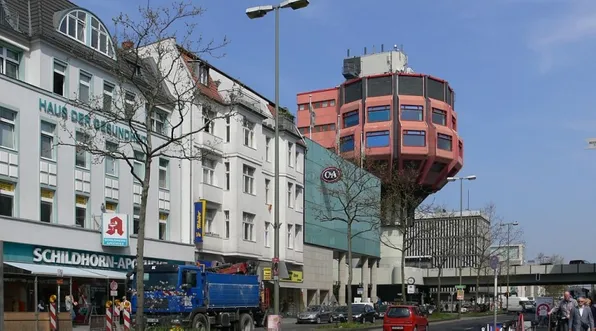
<point x="386" y="112"/>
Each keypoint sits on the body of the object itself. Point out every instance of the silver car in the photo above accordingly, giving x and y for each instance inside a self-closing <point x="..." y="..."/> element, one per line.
<point x="315" y="314"/>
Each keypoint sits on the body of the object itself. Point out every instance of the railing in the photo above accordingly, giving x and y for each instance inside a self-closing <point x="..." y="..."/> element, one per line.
<point x="516" y="270"/>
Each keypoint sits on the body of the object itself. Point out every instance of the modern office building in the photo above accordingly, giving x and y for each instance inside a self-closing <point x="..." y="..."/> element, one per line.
<point x="62" y="208"/>
<point x="386" y="112"/>
<point x="325" y="240"/>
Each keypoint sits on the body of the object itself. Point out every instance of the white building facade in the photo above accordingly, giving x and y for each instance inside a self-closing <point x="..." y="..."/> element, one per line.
<point x="53" y="196"/>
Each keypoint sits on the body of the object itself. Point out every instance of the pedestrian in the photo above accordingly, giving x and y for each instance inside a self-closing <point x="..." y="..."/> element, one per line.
<point x="583" y="319"/>
<point x="69" y="304"/>
<point x="565" y="311"/>
<point x="592" y="305"/>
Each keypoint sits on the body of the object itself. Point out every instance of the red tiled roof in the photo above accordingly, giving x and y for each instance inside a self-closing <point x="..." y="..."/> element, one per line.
<point x="211" y="89"/>
<point x="271" y="109"/>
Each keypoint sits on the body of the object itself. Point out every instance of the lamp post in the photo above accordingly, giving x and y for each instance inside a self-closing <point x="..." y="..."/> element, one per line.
<point x="461" y="216"/>
<point x="508" y="225"/>
<point x="253" y="13"/>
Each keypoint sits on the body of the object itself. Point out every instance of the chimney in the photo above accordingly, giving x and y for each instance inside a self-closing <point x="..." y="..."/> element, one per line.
<point x="127" y="45"/>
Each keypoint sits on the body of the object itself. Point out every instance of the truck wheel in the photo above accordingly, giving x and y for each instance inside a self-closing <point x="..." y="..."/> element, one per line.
<point x="200" y="322"/>
<point x="246" y="323"/>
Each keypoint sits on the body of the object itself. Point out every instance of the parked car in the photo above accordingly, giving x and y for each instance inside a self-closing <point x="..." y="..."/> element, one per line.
<point x="404" y="318"/>
<point x="363" y="313"/>
<point x="381" y="309"/>
<point x="339" y="314"/>
<point x="315" y="314"/>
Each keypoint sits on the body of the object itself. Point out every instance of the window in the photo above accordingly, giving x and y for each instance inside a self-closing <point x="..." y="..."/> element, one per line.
<point x="60" y="78"/>
<point x="81" y="157"/>
<point x="331" y="103"/>
<point x="209" y="171"/>
<point x="346" y="144"/>
<point x="81" y="211"/>
<point x="209" y="219"/>
<point x="111" y="207"/>
<point x="298" y="236"/>
<point x="159" y="121"/>
<point x="411" y="113"/>
<point x="267" y="149"/>
<point x="290" y="195"/>
<point x="444" y="142"/>
<point x="299" y="161"/>
<point x="249" y="133"/>
<point x="100" y="40"/>
<point x="248" y="227"/>
<point x="299" y="198"/>
<point x="248" y="173"/>
<point x="267" y="237"/>
<point x="163" y="226"/>
<point x="351" y="119"/>
<point x="227" y="224"/>
<point x="267" y="191"/>
<point x="439" y="116"/>
<point x="9" y="62"/>
<point x="129" y="105"/>
<point x="108" y="96"/>
<point x="209" y="121"/>
<point x="454" y="123"/>
<point x="414" y="138"/>
<point x="47" y="140"/>
<point x="377" y="139"/>
<point x="227" y="164"/>
<point x="228" y="128"/>
<point x="47" y="204"/>
<point x="204" y="74"/>
<point x="74" y="25"/>
<point x="290" y="155"/>
<point x="111" y="163"/>
<point x="139" y="165"/>
<point x="164" y="180"/>
<point x="7" y="190"/>
<point x="7" y="128"/>
<point x="290" y="236"/>
<point x="136" y="219"/>
<point x="84" y="87"/>
<point x="379" y="114"/>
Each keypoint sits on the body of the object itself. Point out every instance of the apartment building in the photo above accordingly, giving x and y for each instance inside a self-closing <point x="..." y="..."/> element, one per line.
<point x="54" y="198"/>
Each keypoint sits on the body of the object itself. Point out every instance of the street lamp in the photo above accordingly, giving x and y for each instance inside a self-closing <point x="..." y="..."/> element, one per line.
<point x="461" y="216"/>
<point x="508" y="225"/>
<point x="258" y="12"/>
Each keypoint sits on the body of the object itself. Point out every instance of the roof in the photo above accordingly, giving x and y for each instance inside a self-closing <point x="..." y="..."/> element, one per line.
<point x="210" y="90"/>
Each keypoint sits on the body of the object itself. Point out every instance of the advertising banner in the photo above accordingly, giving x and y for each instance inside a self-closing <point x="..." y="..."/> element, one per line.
<point x="200" y="210"/>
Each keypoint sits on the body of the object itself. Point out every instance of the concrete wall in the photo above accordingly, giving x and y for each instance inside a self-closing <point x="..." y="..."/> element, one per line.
<point x="319" y="268"/>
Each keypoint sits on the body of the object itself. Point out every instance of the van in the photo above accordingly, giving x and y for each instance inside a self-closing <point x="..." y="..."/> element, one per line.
<point x="516" y="304"/>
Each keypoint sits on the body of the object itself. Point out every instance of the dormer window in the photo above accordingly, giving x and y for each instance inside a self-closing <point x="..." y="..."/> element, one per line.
<point x="75" y="25"/>
<point x="203" y="74"/>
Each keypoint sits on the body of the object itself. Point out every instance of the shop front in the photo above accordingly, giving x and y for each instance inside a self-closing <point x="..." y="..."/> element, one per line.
<point x="32" y="274"/>
<point x="290" y="291"/>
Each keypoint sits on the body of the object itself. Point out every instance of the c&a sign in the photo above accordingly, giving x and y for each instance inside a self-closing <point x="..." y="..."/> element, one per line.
<point x="200" y="210"/>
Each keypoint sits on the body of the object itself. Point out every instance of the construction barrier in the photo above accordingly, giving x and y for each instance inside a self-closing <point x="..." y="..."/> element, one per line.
<point x="109" y="316"/>
<point x="53" y="316"/>
<point x="126" y="315"/>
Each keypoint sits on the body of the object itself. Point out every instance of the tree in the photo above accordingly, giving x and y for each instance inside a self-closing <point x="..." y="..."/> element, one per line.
<point x="146" y="116"/>
<point x="401" y="200"/>
<point x="354" y="200"/>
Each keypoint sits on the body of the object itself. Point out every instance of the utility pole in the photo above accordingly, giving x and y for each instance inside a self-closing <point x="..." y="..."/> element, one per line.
<point x="508" y="225"/>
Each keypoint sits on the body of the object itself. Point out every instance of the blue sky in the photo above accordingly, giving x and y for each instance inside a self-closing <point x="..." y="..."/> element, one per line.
<point x="522" y="71"/>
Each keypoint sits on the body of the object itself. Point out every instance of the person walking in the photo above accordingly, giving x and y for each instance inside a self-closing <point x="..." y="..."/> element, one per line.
<point x="565" y="313"/>
<point x="583" y="319"/>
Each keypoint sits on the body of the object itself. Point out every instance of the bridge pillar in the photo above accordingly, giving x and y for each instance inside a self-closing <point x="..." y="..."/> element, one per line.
<point x="342" y="276"/>
<point x="373" y="279"/>
<point x="365" y="278"/>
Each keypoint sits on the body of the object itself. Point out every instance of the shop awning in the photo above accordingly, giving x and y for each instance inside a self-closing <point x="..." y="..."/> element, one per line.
<point x="47" y="270"/>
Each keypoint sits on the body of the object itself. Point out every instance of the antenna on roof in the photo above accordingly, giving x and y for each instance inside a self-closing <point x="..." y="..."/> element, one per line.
<point x="348" y="53"/>
<point x="364" y="50"/>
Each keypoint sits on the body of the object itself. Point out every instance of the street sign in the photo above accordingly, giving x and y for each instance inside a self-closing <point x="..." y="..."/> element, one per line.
<point x="494" y="262"/>
<point x="113" y="293"/>
<point x="411" y="289"/>
<point x="460" y="287"/>
<point x="114" y="286"/>
<point x="460" y="295"/>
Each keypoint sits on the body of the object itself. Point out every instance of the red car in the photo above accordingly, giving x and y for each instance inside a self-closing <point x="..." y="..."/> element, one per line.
<point x="404" y="318"/>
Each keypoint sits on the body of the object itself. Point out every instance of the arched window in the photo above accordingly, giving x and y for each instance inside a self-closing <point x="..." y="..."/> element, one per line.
<point x="75" y="25"/>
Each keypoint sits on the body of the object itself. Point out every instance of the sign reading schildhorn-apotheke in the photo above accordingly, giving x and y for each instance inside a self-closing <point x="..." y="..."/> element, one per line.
<point x="80" y="259"/>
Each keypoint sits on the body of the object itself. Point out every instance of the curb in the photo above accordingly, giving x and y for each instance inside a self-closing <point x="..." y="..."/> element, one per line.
<point x="376" y="326"/>
<point x="463" y="319"/>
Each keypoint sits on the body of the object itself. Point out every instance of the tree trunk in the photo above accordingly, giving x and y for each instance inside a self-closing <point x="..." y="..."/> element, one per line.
<point x="403" y="276"/>
<point x="349" y="284"/>
<point x="477" y="288"/>
<point x="140" y="320"/>
<point x="439" y="305"/>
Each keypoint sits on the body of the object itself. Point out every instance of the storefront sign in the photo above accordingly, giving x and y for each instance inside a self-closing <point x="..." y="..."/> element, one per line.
<point x="82" y="118"/>
<point x="295" y="276"/>
<point x="23" y="253"/>
<point x="114" y="231"/>
<point x="331" y="175"/>
<point x="200" y="209"/>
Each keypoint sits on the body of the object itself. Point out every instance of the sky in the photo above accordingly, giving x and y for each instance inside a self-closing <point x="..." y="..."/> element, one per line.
<point x="522" y="70"/>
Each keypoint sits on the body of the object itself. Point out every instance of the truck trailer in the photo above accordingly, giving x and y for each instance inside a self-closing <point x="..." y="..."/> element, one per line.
<point x="225" y="296"/>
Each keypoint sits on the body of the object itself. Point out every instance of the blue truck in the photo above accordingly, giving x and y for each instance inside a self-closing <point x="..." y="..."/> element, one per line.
<point x="226" y="296"/>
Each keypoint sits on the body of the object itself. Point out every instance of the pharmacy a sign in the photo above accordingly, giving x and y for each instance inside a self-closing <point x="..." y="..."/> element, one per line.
<point x="114" y="230"/>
